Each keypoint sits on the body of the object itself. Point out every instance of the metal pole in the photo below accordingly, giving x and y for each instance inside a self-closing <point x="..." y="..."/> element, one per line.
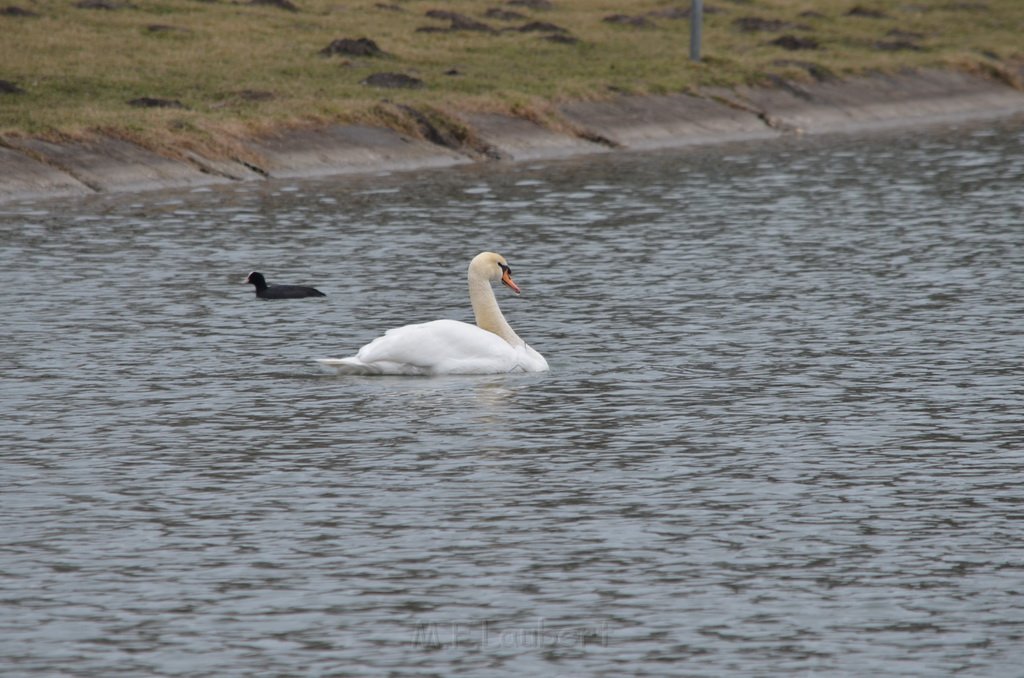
<point x="696" y="19"/>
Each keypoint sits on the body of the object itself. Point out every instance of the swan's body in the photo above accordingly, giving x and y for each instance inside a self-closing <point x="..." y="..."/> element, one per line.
<point x="450" y="346"/>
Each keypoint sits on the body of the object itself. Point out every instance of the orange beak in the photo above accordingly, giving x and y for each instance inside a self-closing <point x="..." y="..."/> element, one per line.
<point x="506" y="278"/>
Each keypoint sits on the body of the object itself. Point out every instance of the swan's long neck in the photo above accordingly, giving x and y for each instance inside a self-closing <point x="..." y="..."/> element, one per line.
<point x="485" y="308"/>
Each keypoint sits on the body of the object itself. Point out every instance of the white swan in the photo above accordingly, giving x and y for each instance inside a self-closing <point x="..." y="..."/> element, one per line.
<point x="450" y="346"/>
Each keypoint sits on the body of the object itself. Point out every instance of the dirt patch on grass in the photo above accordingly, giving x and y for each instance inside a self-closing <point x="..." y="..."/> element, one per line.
<point x="13" y="10"/>
<point x="279" y="4"/>
<point x="166" y="28"/>
<point x="393" y="81"/>
<point x="107" y="5"/>
<point x="541" y="27"/>
<point x="499" y="14"/>
<point x="359" y="47"/>
<point x="243" y="97"/>
<point x="898" y="45"/>
<point x="254" y="95"/>
<point x="8" y="87"/>
<point x="154" y="102"/>
<point x="447" y="131"/>
<point x="867" y="12"/>
<point x="629" y="20"/>
<point x="457" y="22"/>
<point x="793" y="42"/>
<point x="753" y="24"/>
<point x="532" y="4"/>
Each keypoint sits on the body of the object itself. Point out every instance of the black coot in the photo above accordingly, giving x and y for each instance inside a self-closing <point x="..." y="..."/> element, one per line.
<point x="265" y="291"/>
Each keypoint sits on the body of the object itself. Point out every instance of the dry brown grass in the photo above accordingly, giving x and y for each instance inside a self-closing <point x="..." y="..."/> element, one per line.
<point x="238" y="68"/>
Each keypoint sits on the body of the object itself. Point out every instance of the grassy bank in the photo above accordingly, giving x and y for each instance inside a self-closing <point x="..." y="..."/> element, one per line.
<point x="200" y="73"/>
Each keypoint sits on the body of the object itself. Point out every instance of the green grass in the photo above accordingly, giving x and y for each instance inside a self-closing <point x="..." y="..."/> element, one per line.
<point x="241" y="69"/>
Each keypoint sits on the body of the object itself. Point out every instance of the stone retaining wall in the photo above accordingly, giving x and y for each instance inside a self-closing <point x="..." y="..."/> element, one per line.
<point x="30" y="168"/>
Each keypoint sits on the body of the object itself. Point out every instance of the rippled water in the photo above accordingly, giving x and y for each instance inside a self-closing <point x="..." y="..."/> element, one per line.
<point x="783" y="430"/>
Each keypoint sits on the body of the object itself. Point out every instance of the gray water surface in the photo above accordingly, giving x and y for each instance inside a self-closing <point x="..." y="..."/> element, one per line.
<point x="782" y="433"/>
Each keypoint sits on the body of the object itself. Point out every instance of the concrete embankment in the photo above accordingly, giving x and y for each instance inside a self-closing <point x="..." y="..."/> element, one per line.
<point x="32" y="168"/>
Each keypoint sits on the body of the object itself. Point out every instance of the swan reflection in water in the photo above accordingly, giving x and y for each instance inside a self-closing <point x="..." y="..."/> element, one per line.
<point x="450" y="346"/>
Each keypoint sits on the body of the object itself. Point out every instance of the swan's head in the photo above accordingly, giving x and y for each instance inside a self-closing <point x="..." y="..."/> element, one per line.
<point x="493" y="267"/>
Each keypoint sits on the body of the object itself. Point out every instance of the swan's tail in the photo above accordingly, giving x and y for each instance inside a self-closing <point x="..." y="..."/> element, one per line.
<point x="347" y="366"/>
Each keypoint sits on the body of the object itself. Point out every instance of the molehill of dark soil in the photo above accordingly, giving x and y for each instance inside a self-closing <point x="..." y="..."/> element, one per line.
<point x="14" y="10"/>
<point x="753" y="24"/>
<point x="280" y="4"/>
<point x="456" y="21"/>
<point x="358" y="47"/>
<point x="8" y="87"/>
<point x="793" y="42"/>
<point x="393" y="81"/>
<point x="154" y="102"/>
<point x="628" y="20"/>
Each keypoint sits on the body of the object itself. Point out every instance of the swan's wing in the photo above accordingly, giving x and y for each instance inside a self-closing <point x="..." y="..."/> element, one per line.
<point x="529" y="360"/>
<point x="440" y="347"/>
<point x="352" y="365"/>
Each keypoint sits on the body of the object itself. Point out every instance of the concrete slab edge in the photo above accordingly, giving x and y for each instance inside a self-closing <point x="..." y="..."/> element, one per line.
<point x="32" y="169"/>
